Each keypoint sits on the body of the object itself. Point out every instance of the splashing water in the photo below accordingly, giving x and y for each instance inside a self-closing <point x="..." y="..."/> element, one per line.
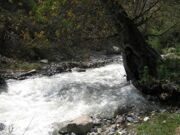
<point x="38" y="102"/>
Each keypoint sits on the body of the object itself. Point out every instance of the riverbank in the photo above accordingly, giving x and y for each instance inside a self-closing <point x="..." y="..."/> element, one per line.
<point x="54" y="99"/>
<point x="89" y="89"/>
<point x="12" y="69"/>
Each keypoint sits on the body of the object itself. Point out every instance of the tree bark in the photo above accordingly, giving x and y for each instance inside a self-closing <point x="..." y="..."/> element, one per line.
<point x="137" y="54"/>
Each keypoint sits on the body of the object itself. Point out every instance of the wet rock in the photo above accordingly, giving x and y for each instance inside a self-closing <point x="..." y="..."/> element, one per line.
<point x="120" y="119"/>
<point x="110" y="130"/>
<point x="79" y="69"/>
<point x="97" y="122"/>
<point x="49" y="69"/>
<point x="99" y="130"/>
<point x="44" y="61"/>
<point x="2" y="126"/>
<point x="170" y="87"/>
<point x="130" y="119"/>
<point x="26" y="74"/>
<point x="80" y="126"/>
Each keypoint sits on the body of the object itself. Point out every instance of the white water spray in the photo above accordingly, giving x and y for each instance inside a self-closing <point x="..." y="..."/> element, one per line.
<point x="33" y="105"/>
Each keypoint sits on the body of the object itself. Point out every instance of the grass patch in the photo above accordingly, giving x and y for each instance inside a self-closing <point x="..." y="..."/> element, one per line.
<point x="25" y="66"/>
<point x="162" y="124"/>
<point x="20" y="66"/>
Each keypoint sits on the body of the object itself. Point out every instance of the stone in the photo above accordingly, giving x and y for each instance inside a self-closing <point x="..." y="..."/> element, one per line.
<point x="2" y="126"/>
<point x="45" y="61"/>
<point x="81" y="126"/>
<point x="76" y="69"/>
<point x="146" y="119"/>
<point x="120" y="120"/>
<point x="123" y="132"/>
<point x="97" y="121"/>
<point x="130" y="119"/>
<point x="116" y="49"/>
<point x="99" y="130"/>
<point x="93" y="133"/>
<point x="26" y="74"/>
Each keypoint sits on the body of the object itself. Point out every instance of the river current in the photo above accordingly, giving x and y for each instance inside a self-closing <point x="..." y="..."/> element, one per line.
<point x="32" y="106"/>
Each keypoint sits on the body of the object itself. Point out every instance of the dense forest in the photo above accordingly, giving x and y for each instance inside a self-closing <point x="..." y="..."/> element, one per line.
<point x="37" y="35"/>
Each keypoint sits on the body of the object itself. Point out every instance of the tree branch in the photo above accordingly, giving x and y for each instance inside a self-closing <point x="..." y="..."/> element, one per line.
<point x="144" y="5"/>
<point x="143" y="21"/>
<point x="146" y="11"/>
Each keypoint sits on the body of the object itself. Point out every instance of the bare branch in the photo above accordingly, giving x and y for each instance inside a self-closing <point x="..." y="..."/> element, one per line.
<point x="147" y="10"/>
<point x="136" y="7"/>
<point x="144" y="20"/>
<point x="144" y="5"/>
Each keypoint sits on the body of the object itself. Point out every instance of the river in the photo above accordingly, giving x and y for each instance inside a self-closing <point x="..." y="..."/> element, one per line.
<point x="32" y="106"/>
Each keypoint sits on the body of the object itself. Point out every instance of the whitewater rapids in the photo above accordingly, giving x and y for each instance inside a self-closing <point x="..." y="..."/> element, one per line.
<point x="31" y="106"/>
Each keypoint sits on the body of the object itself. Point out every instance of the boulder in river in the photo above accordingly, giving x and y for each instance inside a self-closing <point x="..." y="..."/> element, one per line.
<point x="81" y="126"/>
<point x="2" y="126"/>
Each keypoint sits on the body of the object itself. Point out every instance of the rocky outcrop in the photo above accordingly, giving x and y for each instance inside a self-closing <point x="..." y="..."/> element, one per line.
<point x="80" y="126"/>
<point x="69" y="66"/>
<point x="167" y="92"/>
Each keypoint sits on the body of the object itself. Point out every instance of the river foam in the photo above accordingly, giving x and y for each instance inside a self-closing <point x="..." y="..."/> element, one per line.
<point x="31" y="106"/>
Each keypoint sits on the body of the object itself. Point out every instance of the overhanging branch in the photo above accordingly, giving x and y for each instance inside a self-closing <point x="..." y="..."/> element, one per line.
<point x="146" y="11"/>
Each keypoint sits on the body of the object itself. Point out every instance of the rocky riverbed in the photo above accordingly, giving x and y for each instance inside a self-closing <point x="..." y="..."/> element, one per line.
<point x="36" y="104"/>
<point x="74" y="98"/>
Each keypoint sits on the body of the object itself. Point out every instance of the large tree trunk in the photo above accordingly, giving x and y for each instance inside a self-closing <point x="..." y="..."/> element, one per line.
<point x="136" y="53"/>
